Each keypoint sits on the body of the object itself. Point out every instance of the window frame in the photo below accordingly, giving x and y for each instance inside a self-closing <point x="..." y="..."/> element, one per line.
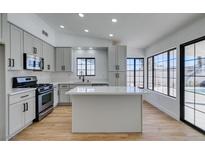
<point x="135" y="70"/>
<point x="86" y="59"/>
<point x="168" y="71"/>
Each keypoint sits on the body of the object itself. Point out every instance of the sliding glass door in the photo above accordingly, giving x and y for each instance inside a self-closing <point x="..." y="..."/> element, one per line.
<point x="193" y="83"/>
<point x="135" y="72"/>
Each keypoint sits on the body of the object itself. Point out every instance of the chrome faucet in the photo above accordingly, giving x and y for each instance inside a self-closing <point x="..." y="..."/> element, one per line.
<point x="82" y="76"/>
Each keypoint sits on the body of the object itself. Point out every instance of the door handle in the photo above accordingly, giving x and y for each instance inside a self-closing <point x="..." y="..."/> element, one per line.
<point x="24" y="96"/>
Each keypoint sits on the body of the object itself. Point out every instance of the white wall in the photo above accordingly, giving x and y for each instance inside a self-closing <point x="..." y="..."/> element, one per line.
<point x="67" y="40"/>
<point x="33" y="24"/>
<point x="135" y="52"/>
<point x="169" y="105"/>
<point x="101" y="66"/>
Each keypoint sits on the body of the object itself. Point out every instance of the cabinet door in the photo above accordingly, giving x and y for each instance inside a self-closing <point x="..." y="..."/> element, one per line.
<point x="30" y="110"/>
<point x="60" y="59"/>
<point x="51" y="58"/>
<point x="38" y="44"/>
<point x="68" y="59"/>
<point x="121" y="57"/>
<point x="28" y="43"/>
<point x="46" y="55"/>
<point x="63" y="97"/>
<point x="112" y="58"/>
<point x="55" y="97"/>
<point x="16" y="117"/>
<point x="121" y="79"/>
<point x="1" y="27"/>
<point x="112" y="78"/>
<point x="16" y="47"/>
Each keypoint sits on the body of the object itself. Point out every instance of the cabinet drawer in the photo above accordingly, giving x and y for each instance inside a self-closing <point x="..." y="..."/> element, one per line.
<point x="20" y="97"/>
<point x="64" y="86"/>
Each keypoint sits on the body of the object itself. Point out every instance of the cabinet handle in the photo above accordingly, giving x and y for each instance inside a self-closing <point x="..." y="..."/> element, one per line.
<point x="13" y="62"/>
<point x="117" y="67"/>
<point x="117" y="75"/>
<point x="9" y="60"/>
<point x="48" y="67"/>
<point x="24" y="107"/>
<point x="24" y="96"/>
<point x="34" y="50"/>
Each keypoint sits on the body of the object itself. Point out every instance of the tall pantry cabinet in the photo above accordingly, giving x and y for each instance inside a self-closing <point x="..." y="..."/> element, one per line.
<point x="117" y="65"/>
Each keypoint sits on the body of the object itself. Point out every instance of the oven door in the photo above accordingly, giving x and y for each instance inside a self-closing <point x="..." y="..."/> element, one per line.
<point x="45" y="101"/>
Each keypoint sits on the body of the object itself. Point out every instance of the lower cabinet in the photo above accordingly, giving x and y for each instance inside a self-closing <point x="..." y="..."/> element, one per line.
<point x="117" y="78"/>
<point x="55" y="102"/>
<point x="63" y="98"/>
<point x="21" y="112"/>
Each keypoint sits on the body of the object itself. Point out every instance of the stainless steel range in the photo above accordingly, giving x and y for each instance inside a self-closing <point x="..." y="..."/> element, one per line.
<point x="44" y="94"/>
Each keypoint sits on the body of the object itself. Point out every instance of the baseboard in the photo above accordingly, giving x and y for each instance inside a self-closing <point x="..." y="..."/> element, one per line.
<point x="161" y="108"/>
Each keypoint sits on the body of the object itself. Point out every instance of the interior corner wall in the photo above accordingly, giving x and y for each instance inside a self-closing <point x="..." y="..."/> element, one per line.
<point x="165" y="103"/>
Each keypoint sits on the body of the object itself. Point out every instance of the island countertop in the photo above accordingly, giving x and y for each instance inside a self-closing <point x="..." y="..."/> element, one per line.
<point x="106" y="90"/>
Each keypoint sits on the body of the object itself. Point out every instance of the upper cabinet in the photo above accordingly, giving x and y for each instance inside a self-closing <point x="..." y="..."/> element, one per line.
<point x="33" y="45"/>
<point x="15" y="59"/>
<point x="48" y="55"/>
<point x="1" y="27"/>
<point x="64" y="59"/>
<point x="117" y="58"/>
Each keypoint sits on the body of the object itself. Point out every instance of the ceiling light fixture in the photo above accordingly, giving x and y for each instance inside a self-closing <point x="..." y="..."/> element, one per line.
<point x="86" y="30"/>
<point x="114" y="20"/>
<point x="79" y="48"/>
<point x="111" y="35"/>
<point x="61" y="26"/>
<point x="81" y="15"/>
<point x="90" y="48"/>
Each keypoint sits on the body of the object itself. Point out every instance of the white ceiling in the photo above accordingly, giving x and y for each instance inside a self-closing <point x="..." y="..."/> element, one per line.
<point x="139" y="30"/>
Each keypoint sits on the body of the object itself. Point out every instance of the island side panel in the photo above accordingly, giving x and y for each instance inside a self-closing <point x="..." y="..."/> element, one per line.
<point x="106" y="113"/>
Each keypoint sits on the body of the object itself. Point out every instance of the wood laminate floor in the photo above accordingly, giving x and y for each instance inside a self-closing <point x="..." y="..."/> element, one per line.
<point x="156" y="126"/>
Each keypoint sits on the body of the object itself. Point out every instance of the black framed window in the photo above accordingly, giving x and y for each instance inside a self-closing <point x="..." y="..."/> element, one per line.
<point x="192" y="83"/>
<point x="135" y="72"/>
<point x="150" y="73"/>
<point x="161" y="72"/>
<point x="86" y="66"/>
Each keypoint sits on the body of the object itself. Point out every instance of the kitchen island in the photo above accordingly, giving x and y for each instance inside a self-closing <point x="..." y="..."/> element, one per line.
<point x="106" y="109"/>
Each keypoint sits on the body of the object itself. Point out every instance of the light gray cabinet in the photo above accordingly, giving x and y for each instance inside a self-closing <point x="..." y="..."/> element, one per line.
<point x="33" y="45"/>
<point x="56" y="96"/>
<point x="1" y="27"/>
<point x="117" y="78"/>
<point x="63" y="98"/>
<point x="21" y="111"/>
<point x="117" y="58"/>
<point x="48" y="55"/>
<point x="16" y="48"/>
<point x="64" y="59"/>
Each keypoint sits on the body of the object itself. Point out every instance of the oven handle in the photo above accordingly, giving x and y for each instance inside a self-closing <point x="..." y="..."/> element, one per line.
<point x="46" y="92"/>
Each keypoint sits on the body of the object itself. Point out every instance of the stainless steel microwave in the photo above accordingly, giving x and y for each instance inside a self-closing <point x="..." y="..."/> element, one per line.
<point x="32" y="62"/>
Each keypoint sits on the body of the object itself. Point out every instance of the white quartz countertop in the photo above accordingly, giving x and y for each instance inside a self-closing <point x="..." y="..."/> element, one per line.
<point x="16" y="91"/>
<point x="80" y="83"/>
<point x="106" y="91"/>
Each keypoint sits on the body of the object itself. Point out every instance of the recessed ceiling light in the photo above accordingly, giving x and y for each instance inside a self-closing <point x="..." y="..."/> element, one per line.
<point x="90" y="48"/>
<point x="114" y="20"/>
<point x="61" y="26"/>
<point x="79" y="48"/>
<point x="111" y="35"/>
<point x="86" y="30"/>
<point x="81" y="15"/>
